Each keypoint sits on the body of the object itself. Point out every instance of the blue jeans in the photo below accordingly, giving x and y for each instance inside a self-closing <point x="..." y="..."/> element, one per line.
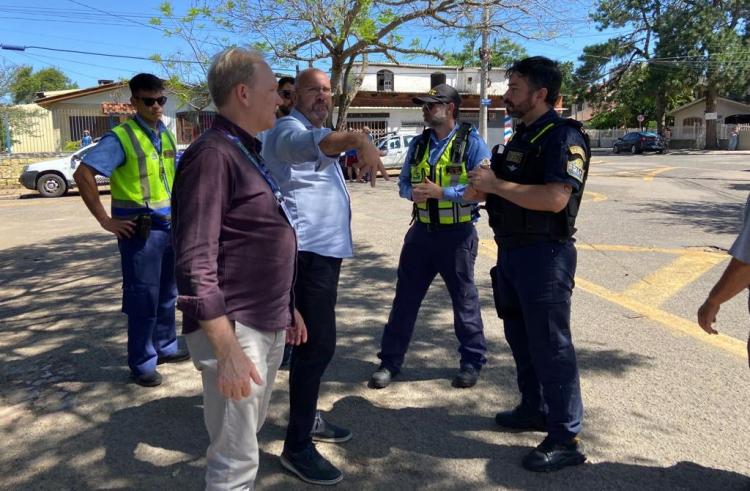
<point x="532" y="286"/>
<point x="148" y="299"/>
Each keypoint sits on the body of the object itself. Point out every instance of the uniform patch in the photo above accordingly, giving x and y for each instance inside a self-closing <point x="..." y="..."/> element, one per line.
<point x="576" y="151"/>
<point x="453" y="169"/>
<point x="169" y="154"/>
<point x="575" y="168"/>
<point x="514" y="157"/>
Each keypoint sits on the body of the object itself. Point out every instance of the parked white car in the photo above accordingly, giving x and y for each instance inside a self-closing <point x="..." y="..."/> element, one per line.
<point x="395" y="148"/>
<point x="53" y="178"/>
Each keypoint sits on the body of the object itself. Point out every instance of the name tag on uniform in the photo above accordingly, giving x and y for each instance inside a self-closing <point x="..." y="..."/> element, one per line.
<point x="514" y="157"/>
<point x="169" y="154"/>
<point x="453" y="169"/>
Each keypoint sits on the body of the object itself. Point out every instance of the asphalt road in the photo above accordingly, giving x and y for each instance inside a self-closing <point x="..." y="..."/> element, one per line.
<point x="666" y="405"/>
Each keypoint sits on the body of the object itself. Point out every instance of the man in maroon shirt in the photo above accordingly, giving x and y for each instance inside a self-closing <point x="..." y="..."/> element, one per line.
<point x="235" y="265"/>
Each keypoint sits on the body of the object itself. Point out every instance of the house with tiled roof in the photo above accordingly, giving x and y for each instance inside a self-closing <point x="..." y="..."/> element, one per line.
<point x="60" y="117"/>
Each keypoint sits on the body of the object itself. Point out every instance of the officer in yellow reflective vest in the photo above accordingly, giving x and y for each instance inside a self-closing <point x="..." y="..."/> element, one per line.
<point x="139" y="158"/>
<point x="442" y="239"/>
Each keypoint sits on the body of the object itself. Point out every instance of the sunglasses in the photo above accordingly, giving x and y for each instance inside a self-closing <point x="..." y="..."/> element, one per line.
<point x="430" y="105"/>
<point x="150" y="101"/>
<point x="286" y="94"/>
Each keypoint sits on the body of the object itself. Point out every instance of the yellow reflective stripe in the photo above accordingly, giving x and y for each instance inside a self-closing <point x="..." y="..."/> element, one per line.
<point x="541" y="132"/>
<point x="142" y="163"/>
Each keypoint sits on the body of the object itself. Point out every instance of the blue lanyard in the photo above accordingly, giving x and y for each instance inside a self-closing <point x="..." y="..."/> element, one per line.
<point x="262" y="169"/>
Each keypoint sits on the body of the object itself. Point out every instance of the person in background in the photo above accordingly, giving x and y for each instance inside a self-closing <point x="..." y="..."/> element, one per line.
<point x="286" y="92"/>
<point x="138" y="156"/>
<point x="86" y="140"/>
<point x="442" y="240"/>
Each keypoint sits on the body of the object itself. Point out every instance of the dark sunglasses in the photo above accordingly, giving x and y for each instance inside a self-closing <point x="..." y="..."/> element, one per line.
<point x="150" y="101"/>
<point x="286" y="94"/>
<point x="430" y="105"/>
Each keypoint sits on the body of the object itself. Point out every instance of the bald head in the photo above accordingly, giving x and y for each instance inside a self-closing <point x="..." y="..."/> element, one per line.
<point x="313" y="95"/>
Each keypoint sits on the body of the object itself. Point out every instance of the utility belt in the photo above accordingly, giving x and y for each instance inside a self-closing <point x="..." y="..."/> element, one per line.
<point x="514" y="241"/>
<point x="434" y="227"/>
<point x="146" y="222"/>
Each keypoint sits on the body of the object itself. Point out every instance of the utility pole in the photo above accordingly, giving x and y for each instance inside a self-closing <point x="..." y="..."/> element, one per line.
<point x="484" y="56"/>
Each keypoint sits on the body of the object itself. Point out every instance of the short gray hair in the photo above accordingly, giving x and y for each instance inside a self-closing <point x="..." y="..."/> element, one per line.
<point x="231" y="67"/>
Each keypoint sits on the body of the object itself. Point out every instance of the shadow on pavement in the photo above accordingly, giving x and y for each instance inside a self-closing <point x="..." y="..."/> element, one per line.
<point x="710" y="218"/>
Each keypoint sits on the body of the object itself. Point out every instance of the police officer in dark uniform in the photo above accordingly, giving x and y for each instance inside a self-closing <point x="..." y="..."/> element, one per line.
<point x="533" y="191"/>
<point x="442" y="240"/>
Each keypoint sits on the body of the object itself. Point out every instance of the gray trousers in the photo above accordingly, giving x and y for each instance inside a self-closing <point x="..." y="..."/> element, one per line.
<point x="232" y="456"/>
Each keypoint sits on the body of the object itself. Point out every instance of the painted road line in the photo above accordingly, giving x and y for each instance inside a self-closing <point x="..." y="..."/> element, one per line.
<point x="650" y="176"/>
<point x="663" y="284"/>
<point x="673" y="322"/>
<point x="594" y="197"/>
<point x="629" y="248"/>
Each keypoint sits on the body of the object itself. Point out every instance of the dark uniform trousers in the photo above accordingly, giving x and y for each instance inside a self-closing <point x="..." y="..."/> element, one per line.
<point x="451" y="252"/>
<point x="148" y="298"/>
<point x="532" y="287"/>
<point x="315" y="291"/>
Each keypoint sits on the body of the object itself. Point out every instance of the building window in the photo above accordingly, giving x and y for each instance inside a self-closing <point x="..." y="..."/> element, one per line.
<point x="437" y="78"/>
<point x="692" y="122"/>
<point x="97" y="126"/>
<point x="191" y="124"/>
<point x="385" y="81"/>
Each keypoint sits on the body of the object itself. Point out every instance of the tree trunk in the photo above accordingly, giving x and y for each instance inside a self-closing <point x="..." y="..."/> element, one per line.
<point x="712" y="142"/>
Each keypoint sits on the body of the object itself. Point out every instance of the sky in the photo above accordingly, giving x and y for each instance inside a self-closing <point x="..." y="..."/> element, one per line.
<point x="119" y="28"/>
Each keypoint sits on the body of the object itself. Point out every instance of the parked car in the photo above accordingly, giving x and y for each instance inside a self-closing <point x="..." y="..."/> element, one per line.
<point x="395" y="147"/>
<point x="639" y="142"/>
<point x="53" y="178"/>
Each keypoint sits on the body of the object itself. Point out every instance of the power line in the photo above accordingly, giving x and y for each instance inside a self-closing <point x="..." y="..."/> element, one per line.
<point x="12" y="47"/>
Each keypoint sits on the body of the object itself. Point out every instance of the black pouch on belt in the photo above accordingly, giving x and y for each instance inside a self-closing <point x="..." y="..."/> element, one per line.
<point x="143" y="226"/>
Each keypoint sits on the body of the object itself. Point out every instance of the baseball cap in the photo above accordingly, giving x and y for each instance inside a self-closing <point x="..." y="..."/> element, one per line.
<point x="442" y="93"/>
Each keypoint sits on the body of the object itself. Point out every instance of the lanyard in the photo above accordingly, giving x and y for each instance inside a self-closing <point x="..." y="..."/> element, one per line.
<point x="263" y="170"/>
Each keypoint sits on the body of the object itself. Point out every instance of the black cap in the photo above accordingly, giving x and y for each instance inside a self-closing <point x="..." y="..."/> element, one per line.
<point x="440" y="93"/>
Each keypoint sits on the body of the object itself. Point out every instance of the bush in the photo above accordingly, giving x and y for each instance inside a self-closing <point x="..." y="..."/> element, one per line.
<point x="71" y="146"/>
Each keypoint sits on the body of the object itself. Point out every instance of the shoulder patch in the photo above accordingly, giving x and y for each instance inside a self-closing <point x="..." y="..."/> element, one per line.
<point x="575" y="168"/>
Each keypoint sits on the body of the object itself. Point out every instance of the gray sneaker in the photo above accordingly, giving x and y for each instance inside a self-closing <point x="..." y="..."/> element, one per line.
<point x="324" y="431"/>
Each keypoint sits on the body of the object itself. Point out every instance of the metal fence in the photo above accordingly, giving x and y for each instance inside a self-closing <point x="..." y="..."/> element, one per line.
<point x="693" y="136"/>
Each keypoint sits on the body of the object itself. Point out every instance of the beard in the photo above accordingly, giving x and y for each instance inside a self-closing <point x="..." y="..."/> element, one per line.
<point x="520" y="109"/>
<point x="283" y="111"/>
<point x="435" y="120"/>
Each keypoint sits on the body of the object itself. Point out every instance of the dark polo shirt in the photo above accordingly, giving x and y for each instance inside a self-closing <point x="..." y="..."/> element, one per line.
<point x="235" y="251"/>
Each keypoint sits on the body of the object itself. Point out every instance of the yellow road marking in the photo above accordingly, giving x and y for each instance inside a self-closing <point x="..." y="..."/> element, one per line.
<point x="661" y="285"/>
<point x="631" y="299"/>
<point x="674" y="322"/>
<point x="592" y="196"/>
<point x="650" y="176"/>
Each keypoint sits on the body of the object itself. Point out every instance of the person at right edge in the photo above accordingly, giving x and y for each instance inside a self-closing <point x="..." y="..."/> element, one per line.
<point x="533" y="191"/>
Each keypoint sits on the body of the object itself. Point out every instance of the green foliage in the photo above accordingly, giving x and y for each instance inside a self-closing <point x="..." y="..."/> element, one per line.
<point x="503" y="52"/>
<point x="71" y="146"/>
<point x="25" y="83"/>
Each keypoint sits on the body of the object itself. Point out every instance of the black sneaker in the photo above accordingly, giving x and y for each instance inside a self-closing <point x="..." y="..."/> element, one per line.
<point x="324" y="431"/>
<point x="518" y="419"/>
<point x="311" y="467"/>
<point x="380" y="378"/>
<point x="466" y="377"/>
<point x="147" y="379"/>
<point x="176" y="357"/>
<point x="552" y="456"/>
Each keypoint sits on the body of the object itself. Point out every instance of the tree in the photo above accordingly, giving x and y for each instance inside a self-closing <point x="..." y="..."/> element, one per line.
<point x="669" y="47"/>
<point x="503" y="52"/>
<point x="347" y="33"/>
<point x="25" y="83"/>
<point x="14" y="121"/>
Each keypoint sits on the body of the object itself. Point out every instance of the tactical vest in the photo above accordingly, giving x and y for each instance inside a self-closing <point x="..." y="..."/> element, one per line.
<point x="521" y="162"/>
<point x="145" y="179"/>
<point x="449" y="170"/>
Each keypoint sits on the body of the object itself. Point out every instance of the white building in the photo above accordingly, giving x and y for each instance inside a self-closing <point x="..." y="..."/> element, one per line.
<point x="384" y="101"/>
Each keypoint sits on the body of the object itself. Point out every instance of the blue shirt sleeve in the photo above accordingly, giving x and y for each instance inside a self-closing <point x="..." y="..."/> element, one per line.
<point x="559" y="161"/>
<point x="404" y="178"/>
<point x="290" y="141"/>
<point x="106" y="156"/>
<point x="476" y="152"/>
